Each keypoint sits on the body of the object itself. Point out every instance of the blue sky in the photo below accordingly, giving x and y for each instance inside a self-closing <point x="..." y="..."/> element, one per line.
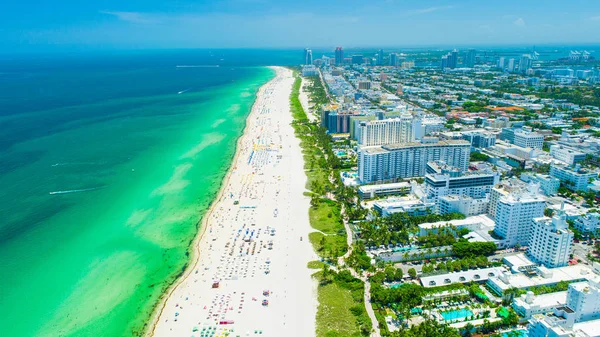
<point x="138" y="24"/>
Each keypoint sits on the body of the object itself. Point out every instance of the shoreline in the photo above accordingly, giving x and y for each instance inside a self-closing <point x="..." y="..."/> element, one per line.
<point x="195" y="244"/>
<point x="255" y="197"/>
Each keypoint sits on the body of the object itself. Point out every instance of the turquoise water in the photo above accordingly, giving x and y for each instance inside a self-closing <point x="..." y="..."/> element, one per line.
<point x="456" y="314"/>
<point x="516" y="333"/>
<point x="106" y="170"/>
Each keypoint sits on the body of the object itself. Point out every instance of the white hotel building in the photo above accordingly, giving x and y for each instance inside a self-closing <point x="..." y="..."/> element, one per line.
<point x="386" y="131"/>
<point x="450" y="182"/>
<point x="399" y="161"/>
<point x="514" y="214"/>
<point x="579" y="317"/>
<point x="551" y="241"/>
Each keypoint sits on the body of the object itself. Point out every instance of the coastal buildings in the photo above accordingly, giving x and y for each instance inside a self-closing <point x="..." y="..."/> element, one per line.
<point x="386" y="131"/>
<point x="514" y="214"/>
<point x="338" y="122"/>
<point x="525" y="63"/>
<point x="567" y="155"/>
<point x="409" y="205"/>
<point x="309" y="70"/>
<point x="308" y="57"/>
<point x="463" y="204"/>
<point x="375" y="191"/>
<point x="529" y="304"/>
<point x="551" y="241"/>
<point x="398" y="161"/>
<point x="588" y="223"/>
<point x="524" y="137"/>
<point x="469" y="60"/>
<point x="480" y="139"/>
<point x="452" y="181"/>
<point x="574" y="178"/>
<point x="580" y="316"/>
<point x="339" y="56"/>
<point x="548" y="184"/>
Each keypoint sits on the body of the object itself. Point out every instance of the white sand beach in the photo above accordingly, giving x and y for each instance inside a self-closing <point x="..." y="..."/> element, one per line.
<point x="254" y="242"/>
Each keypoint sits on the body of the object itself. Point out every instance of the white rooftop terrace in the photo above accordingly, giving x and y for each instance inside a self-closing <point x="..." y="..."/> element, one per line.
<point x="476" y="275"/>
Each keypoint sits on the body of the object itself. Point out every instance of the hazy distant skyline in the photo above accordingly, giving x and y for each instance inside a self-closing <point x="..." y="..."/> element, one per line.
<point x="139" y="24"/>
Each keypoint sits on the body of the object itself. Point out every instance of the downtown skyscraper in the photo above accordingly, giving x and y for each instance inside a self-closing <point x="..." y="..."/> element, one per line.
<point x="339" y="56"/>
<point x="308" y="58"/>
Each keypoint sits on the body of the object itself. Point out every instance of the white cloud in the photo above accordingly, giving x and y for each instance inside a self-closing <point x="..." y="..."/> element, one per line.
<point x="595" y="18"/>
<point x="132" y="17"/>
<point x="428" y="10"/>
<point x="519" y="22"/>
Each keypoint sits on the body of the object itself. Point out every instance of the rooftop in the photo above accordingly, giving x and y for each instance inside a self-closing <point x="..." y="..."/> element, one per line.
<point x="483" y="220"/>
<point x="476" y="275"/>
<point x="543" y="301"/>
<point x="544" y="276"/>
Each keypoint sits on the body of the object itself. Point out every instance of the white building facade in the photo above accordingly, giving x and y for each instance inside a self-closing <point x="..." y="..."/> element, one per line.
<point x="386" y="131"/>
<point x="551" y="241"/>
<point x="399" y="161"/>
<point x="514" y="214"/>
<point x="575" y="178"/>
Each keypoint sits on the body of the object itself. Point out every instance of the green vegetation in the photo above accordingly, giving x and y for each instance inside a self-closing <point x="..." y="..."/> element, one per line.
<point x="328" y="246"/>
<point x="476" y="106"/>
<point x="429" y="328"/>
<point x="395" y="228"/>
<point x="471" y="249"/>
<point x="477" y="156"/>
<point x="316" y="92"/>
<point x="325" y="217"/>
<point x="457" y="264"/>
<point x="560" y="286"/>
<point x="578" y="95"/>
<point x="341" y="309"/>
<point x="315" y="265"/>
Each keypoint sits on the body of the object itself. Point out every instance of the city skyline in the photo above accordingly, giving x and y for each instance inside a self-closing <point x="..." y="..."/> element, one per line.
<point x="267" y="24"/>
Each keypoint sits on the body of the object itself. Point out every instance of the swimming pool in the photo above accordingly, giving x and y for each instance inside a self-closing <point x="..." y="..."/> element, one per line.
<point x="456" y="314"/>
<point x="519" y="333"/>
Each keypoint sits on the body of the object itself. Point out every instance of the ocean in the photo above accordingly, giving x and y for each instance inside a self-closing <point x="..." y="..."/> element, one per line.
<point x="107" y="164"/>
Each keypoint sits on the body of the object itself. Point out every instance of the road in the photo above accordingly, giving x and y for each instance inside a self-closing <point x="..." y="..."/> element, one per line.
<point x="375" y="332"/>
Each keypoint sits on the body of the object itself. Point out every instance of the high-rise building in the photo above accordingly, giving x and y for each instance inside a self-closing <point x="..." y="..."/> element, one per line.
<point x="588" y="223"/>
<point x="511" y="65"/>
<point x="470" y="58"/>
<point x="514" y="212"/>
<point x="579" y="317"/>
<point x="308" y="58"/>
<point x="338" y="122"/>
<point x="480" y="139"/>
<point x="453" y="59"/>
<point x="339" y="56"/>
<point x="524" y="137"/>
<point x="450" y="60"/>
<point x="525" y="63"/>
<point x="386" y="131"/>
<point x="399" y="161"/>
<point x="501" y="63"/>
<point x="566" y="154"/>
<point x="442" y="180"/>
<point x="551" y="241"/>
<point x="357" y="59"/>
<point x="444" y="64"/>
<point x="393" y="59"/>
<point x="549" y="185"/>
<point x="574" y="178"/>
<point x="380" y="57"/>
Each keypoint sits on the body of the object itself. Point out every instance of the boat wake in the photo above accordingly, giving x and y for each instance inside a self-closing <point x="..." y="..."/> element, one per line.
<point x="75" y="164"/>
<point x="198" y="66"/>
<point x="182" y="91"/>
<point x="75" y="191"/>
